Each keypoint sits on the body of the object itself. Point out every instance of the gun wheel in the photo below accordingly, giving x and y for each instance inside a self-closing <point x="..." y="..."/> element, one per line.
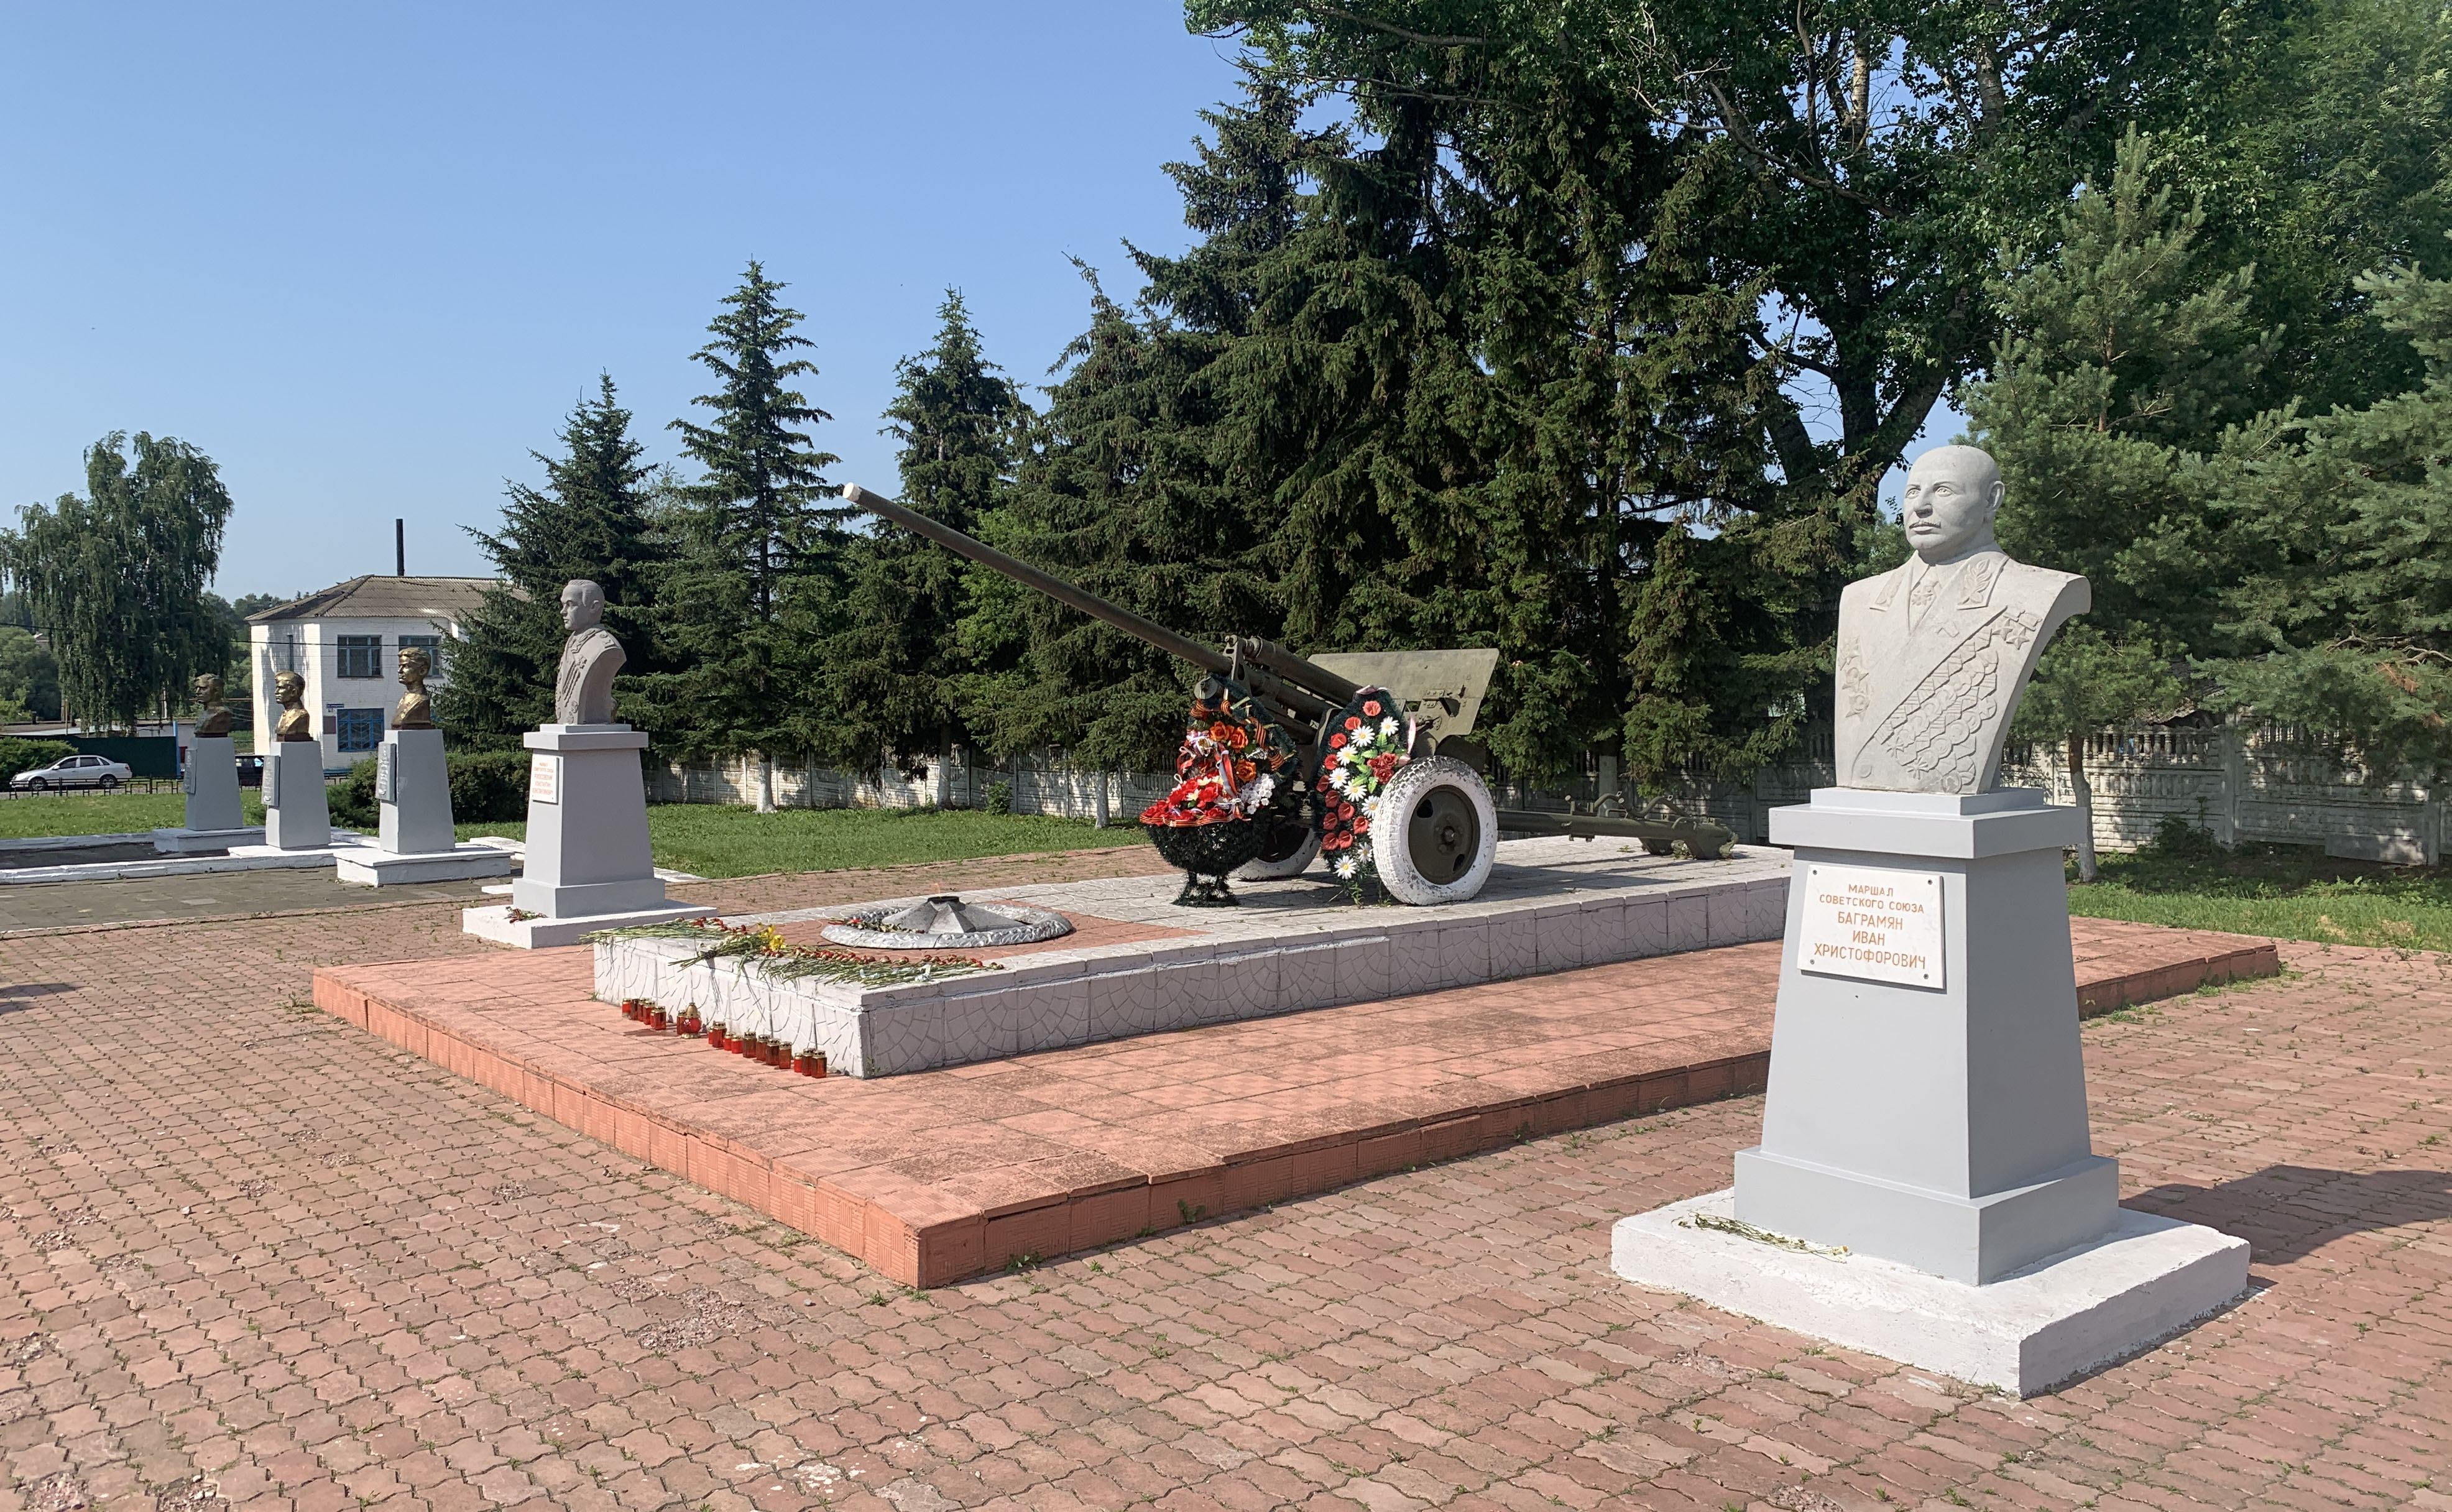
<point x="1287" y="863"/>
<point x="1437" y="833"/>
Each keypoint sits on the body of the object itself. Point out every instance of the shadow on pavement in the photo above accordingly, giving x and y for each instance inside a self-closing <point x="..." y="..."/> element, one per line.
<point x="2288" y="1212"/>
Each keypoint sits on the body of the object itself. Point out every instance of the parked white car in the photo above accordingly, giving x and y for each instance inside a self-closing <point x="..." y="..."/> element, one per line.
<point x="73" y="771"/>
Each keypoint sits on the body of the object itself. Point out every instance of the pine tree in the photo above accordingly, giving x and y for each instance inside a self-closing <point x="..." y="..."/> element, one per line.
<point x="892" y="676"/>
<point x="754" y="580"/>
<point x="591" y="520"/>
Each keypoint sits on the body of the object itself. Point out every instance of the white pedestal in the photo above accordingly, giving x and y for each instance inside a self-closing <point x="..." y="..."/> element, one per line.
<point x="532" y="933"/>
<point x="1943" y="1125"/>
<point x="372" y="866"/>
<point x="2145" y="1281"/>
<point x="201" y="841"/>
<point x="297" y="809"/>
<point x="414" y="788"/>
<point x="214" y="822"/>
<point x="589" y="865"/>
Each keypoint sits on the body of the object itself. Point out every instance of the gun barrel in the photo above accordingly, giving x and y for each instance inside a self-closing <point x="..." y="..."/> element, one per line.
<point x="1023" y="572"/>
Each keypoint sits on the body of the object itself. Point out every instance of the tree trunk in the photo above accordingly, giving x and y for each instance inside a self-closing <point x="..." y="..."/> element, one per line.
<point x="2085" y="796"/>
<point x="765" y="783"/>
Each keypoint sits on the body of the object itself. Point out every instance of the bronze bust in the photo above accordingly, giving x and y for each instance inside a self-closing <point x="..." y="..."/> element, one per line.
<point x="415" y="710"/>
<point x="296" y="724"/>
<point x="216" y="717"/>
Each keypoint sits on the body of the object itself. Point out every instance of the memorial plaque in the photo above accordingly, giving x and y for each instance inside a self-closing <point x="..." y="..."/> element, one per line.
<point x="386" y="776"/>
<point x="1872" y="922"/>
<point x="544" y="778"/>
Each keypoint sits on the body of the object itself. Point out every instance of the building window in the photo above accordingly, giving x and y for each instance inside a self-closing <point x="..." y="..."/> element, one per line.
<point x="361" y="656"/>
<point x="360" y="728"/>
<point x="433" y="647"/>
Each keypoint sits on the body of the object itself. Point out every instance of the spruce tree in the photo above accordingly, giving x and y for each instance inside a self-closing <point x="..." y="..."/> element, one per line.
<point x="2343" y="619"/>
<point x="891" y="680"/>
<point x="2124" y="362"/>
<point x="591" y="520"/>
<point x="754" y="580"/>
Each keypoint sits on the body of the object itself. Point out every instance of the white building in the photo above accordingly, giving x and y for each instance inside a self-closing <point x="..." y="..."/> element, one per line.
<point x="346" y="642"/>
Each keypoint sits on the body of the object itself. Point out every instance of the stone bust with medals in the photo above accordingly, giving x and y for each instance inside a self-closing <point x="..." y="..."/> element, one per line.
<point x="582" y="689"/>
<point x="1933" y="653"/>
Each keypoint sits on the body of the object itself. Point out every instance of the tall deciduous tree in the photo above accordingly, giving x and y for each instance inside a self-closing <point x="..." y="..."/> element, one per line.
<point x="591" y="520"/>
<point x="760" y="554"/>
<point x="891" y="678"/>
<point x="117" y="579"/>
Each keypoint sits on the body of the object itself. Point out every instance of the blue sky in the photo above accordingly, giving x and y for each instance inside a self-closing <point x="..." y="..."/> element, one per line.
<point x="368" y="257"/>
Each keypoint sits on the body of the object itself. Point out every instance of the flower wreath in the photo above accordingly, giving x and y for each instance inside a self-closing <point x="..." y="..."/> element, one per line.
<point x="1233" y="759"/>
<point x="1367" y="742"/>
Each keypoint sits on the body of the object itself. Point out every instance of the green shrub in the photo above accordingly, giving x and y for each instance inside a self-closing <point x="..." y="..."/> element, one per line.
<point x="486" y="787"/>
<point x="17" y="755"/>
<point x="999" y="800"/>
<point x="2176" y="839"/>
<point x="352" y="798"/>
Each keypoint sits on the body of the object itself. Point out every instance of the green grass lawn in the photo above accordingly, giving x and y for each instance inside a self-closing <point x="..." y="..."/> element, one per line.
<point x="104" y="814"/>
<point x="708" y="839"/>
<point x="2288" y="892"/>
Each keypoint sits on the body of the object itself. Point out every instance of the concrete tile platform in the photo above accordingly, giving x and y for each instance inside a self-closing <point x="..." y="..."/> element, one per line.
<point x="944" y="1174"/>
<point x="1550" y="905"/>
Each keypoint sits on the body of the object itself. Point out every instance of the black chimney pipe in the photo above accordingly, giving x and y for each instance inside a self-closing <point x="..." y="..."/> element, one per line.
<point x="400" y="548"/>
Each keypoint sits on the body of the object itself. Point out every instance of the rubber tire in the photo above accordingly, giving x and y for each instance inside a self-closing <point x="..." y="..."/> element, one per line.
<point x="109" y="785"/>
<point x="1405" y="795"/>
<point x="1279" y="870"/>
<point x="38" y="785"/>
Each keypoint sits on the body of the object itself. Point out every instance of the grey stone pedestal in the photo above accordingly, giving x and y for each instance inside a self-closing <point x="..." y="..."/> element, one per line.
<point x="297" y="808"/>
<point x="214" y="820"/>
<point x="589" y="865"/>
<point x="1925" y="1130"/>
<point x="415" y="841"/>
<point x="1942" y="1125"/>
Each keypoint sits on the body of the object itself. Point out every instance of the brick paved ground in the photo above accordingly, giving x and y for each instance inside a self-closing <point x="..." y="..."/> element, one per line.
<point x="934" y="1178"/>
<point x="257" y="1258"/>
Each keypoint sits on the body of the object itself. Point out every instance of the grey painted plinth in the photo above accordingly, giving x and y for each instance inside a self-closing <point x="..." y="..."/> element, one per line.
<point x="1943" y="1128"/>
<point x="371" y="867"/>
<point x="2145" y="1281"/>
<point x="587" y="825"/>
<point x="297" y="809"/>
<point x="210" y="783"/>
<point x="413" y="787"/>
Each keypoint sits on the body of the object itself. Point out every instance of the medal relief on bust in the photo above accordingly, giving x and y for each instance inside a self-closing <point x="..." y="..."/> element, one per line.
<point x="1934" y="653"/>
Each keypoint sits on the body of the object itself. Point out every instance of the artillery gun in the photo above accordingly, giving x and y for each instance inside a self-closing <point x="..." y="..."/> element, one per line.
<point x="1437" y="832"/>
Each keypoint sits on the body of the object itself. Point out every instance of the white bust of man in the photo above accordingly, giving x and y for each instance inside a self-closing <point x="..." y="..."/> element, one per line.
<point x="1934" y="653"/>
<point x="582" y="689"/>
